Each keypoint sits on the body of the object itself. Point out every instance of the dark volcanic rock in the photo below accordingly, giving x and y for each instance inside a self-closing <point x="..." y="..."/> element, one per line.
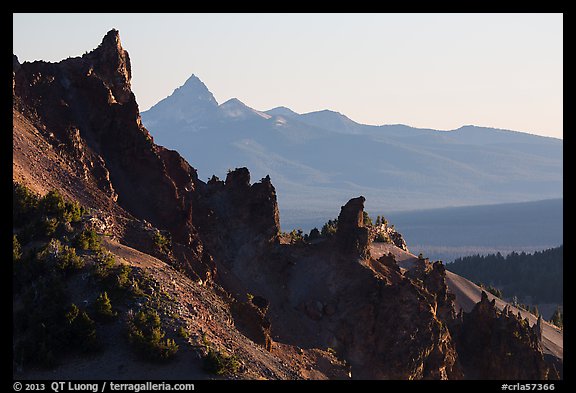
<point x="352" y="237"/>
<point x="252" y="322"/>
<point x="399" y="337"/>
<point x="87" y="105"/>
<point x="498" y="345"/>
<point x="398" y="240"/>
<point x="435" y="283"/>
<point x="237" y="215"/>
<point x="238" y="179"/>
<point x="261" y="303"/>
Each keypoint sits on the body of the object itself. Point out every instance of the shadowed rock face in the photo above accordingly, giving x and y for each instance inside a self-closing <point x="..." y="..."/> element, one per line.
<point x="237" y="217"/>
<point x="87" y="103"/>
<point x="252" y="322"/>
<point x="498" y="345"/>
<point x="87" y="111"/>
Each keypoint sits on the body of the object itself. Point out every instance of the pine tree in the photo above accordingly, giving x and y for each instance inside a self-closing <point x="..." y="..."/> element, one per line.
<point x="557" y="318"/>
<point x="103" y="307"/>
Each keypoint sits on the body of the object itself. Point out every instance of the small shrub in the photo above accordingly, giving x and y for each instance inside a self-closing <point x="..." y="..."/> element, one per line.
<point x="314" y="234"/>
<point x="329" y="229"/>
<point x="72" y="313"/>
<point x="123" y="277"/>
<point x="162" y="243"/>
<point x="135" y="290"/>
<point x="104" y="263"/>
<point x="114" y="279"/>
<point x="147" y="337"/>
<point x="74" y="211"/>
<point x="88" y="240"/>
<point x="103" y="307"/>
<point x="296" y="236"/>
<point x="47" y="226"/>
<point x="52" y="204"/>
<point x="68" y="260"/>
<point x="82" y="329"/>
<point x="61" y="256"/>
<point x="16" y="249"/>
<point x="381" y="238"/>
<point x="182" y="332"/>
<point x="50" y="251"/>
<point x="219" y="363"/>
<point x="24" y="204"/>
<point x="367" y="219"/>
<point x="41" y="329"/>
<point x="557" y="318"/>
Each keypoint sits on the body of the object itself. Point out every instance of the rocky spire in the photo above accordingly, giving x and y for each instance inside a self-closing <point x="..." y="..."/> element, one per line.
<point x="352" y="237"/>
<point x="111" y="63"/>
<point x="539" y="329"/>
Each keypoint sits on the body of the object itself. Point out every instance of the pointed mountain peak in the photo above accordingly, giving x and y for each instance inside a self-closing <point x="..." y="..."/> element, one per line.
<point x="195" y="89"/>
<point x="189" y="102"/>
<point x="193" y="81"/>
<point x="191" y="98"/>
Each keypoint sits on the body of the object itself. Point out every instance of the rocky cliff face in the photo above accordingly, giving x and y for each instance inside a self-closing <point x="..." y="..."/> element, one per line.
<point x="332" y="294"/>
<point x="500" y="345"/>
<point x="87" y="110"/>
<point x="237" y="217"/>
<point x="386" y="323"/>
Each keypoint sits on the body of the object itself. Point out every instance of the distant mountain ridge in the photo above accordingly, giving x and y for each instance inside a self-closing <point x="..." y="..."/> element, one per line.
<point x="317" y="159"/>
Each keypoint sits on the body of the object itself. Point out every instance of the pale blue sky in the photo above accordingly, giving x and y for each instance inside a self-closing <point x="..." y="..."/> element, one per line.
<point x="426" y="70"/>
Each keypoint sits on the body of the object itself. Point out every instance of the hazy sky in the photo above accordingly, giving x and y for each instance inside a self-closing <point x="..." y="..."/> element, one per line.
<point x="426" y="70"/>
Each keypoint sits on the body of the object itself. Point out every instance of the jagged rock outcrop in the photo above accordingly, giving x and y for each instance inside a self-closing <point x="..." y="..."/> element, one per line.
<point x="433" y="278"/>
<point x="435" y="283"/>
<point x="352" y="236"/>
<point x="398" y="240"/>
<point x="499" y="345"/>
<point x="252" y="321"/>
<point x="110" y="63"/>
<point x="237" y="216"/>
<point x="86" y="108"/>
